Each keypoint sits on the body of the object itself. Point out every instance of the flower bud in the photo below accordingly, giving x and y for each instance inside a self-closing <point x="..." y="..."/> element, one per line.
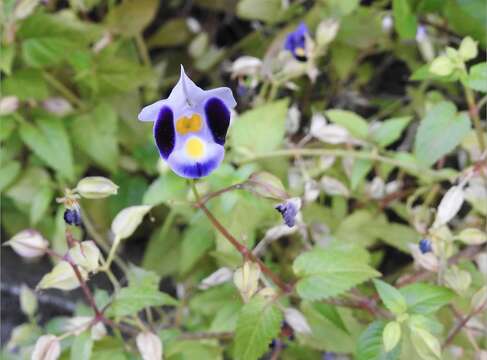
<point x="387" y="23"/>
<point x="98" y="331"/>
<point x="87" y="255"/>
<point x="57" y="105"/>
<point x="128" y="220"/>
<point x="427" y="261"/>
<point x="28" y="301"/>
<point x="481" y="261"/>
<point x="376" y="188"/>
<point x="449" y="206"/>
<point x="96" y="187"/>
<point x="47" y="348"/>
<point x="149" y="345"/>
<point x="24" y="8"/>
<point x="28" y="243"/>
<point x="220" y="276"/>
<point x="326" y="31"/>
<point x="266" y="185"/>
<point x="468" y="49"/>
<point x="289" y="210"/>
<point x="8" y="104"/>
<point x="457" y="279"/>
<point x="425" y="246"/>
<point x="73" y="216"/>
<point x="297" y="321"/>
<point x="62" y="276"/>
<point x="246" y="279"/>
<point x="472" y="236"/>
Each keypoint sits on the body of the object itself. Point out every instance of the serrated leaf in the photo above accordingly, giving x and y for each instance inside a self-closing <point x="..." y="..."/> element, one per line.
<point x="391" y="297"/>
<point x="130" y="300"/>
<point x="422" y="298"/>
<point x="440" y="132"/>
<point x="477" y="77"/>
<point x="95" y="134"/>
<point x="258" y="323"/>
<point x="26" y="84"/>
<point x="261" y="129"/>
<point x="355" y="124"/>
<point x="49" y="140"/>
<point x="330" y="272"/>
<point x="370" y="346"/>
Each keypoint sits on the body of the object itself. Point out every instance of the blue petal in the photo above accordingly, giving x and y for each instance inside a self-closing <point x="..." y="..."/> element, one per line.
<point x="164" y="133"/>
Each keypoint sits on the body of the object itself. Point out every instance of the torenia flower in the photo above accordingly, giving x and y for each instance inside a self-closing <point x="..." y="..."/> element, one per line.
<point x="190" y="127"/>
<point x="296" y="42"/>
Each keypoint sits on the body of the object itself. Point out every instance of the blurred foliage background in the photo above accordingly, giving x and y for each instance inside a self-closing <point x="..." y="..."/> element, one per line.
<point x="76" y="73"/>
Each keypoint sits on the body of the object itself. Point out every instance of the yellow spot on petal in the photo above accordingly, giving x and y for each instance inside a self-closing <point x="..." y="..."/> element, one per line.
<point x="300" y="51"/>
<point x="186" y="125"/>
<point x="195" y="148"/>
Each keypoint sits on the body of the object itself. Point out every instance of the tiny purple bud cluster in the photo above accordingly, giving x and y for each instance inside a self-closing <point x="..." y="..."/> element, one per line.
<point x="72" y="217"/>
<point x="425" y="246"/>
<point x="288" y="210"/>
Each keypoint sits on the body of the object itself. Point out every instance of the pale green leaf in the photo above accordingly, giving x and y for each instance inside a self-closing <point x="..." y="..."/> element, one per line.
<point x="355" y="124"/>
<point x="8" y="174"/>
<point x="423" y="298"/>
<point x="391" y="335"/>
<point x="390" y="130"/>
<point x="440" y="132"/>
<point x="370" y="346"/>
<point x="261" y="129"/>
<point x="391" y="297"/>
<point x="477" y="77"/>
<point x="49" y="140"/>
<point x="267" y="11"/>
<point x="132" y="16"/>
<point x="95" y="134"/>
<point x="330" y="272"/>
<point x="404" y="20"/>
<point x="258" y="323"/>
<point x="172" y="33"/>
<point x="82" y="346"/>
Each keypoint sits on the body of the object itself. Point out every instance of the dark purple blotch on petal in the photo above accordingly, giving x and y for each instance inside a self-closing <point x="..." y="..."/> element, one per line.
<point x="164" y="133"/>
<point x="198" y="169"/>
<point x="218" y="119"/>
<point x="72" y="217"/>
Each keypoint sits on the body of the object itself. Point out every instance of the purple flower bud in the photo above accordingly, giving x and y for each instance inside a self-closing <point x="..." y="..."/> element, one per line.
<point x="296" y="42"/>
<point x="289" y="209"/>
<point x="72" y="217"/>
<point x="425" y="246"/>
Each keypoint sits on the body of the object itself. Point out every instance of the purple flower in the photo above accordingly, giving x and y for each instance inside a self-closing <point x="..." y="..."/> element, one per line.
<point x="296" y="42"/>
<point x="289" y="209"/>
<point x="190" y="127"/>
<point x="425" y="246"/>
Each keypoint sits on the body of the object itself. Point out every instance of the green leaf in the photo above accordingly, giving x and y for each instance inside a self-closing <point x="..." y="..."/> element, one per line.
<point x="467" y="18"/>
<point x="391" y="297"/>
<point x="390" y="130"/>
<point x="370" y="345"/>
<point x="260" y="130"/>
<point x="40" y="204"/>
<point x="49" y="140"/>
<point x="391" y="335"/>
<point x="7" y="58"/>
<point x="8" y="174"/>
<point x="26" y="84"/>
<point x="132" y="16"/>
<point x="360" y="169"/>
<point x="405" y="21"/>
<point x="192" y="349"/>
<point x="197" y="240"/>
<point x="130" y="300"/>
<point x="426" y="345"/>
<point x="355" y="124"/>
<point x="95" y="134"/>
<point x="82" y="346"/>
<point x="330" y="272"/>
<point x="477" y="77"/>
<point x="258" y="323"/>
<point x="168" y="187"/>
<point x="174" y="32"/>
<point x="162" y="249"/>
<point x="423" y="298"/>
<point x="440" y="132"/>
<point x="268" y="11"/>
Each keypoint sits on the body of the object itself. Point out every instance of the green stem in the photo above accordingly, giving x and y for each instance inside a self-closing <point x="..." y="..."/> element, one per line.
<point x="59" y="86"/>
<point x="474" y="114"/>
<point x="111" y="254"/>
<point x="144" y="53"/>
